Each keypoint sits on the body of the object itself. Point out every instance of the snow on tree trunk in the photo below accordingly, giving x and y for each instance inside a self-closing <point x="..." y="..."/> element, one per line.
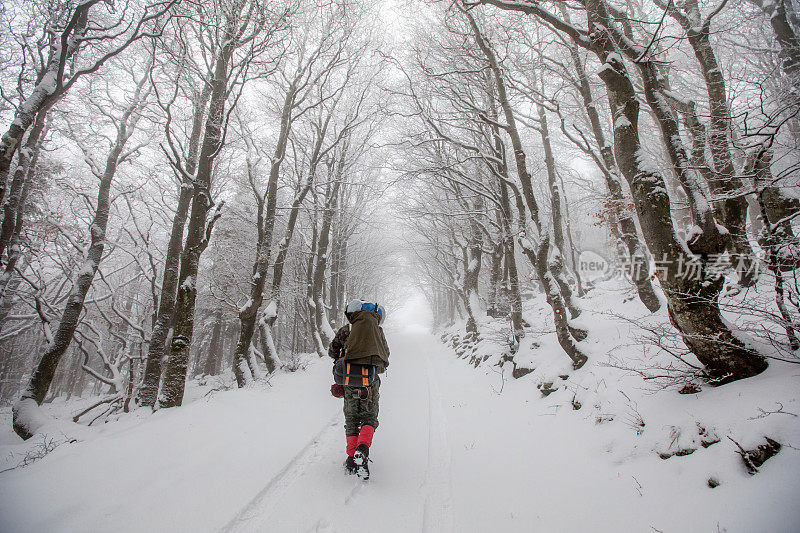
<point x="772" y="243"/>
<point x="692" y="303"/>
<point x="539" y="257"/>
<point x="780" y="210"/>
<point x="13" y="201"/>
<point x="496" y="278"/>
<point x="326" y="332"/>
<point x="197" y="235"/>
<point x="26" y="163"/>
<point x="253" y="366"/>
<point x="215" y="345"/>
<point x="267" y="210"/>
<point x="472" y="270"/>
<point x="637" y="254"/>
<point x="506" y="216"/>
<point x="323" y="334"/>
<point x="24" y="421"/>
<point x="268" y="318"/>
<point x="148" y="393"/>
<point x="722" y="177"/>
<point x="270" y="314"/>
<point x="556" y="214"/>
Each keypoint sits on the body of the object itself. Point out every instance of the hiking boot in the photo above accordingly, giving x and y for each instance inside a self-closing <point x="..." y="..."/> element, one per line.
<point x="362" y="453"/>
<point x="350" y="465"/>
<point x="362" y="461"/>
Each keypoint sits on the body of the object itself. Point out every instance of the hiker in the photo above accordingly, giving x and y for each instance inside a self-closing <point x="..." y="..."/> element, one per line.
<point x="360" y="355"/>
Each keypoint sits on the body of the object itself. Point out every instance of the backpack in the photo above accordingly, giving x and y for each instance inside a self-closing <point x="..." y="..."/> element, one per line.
<point x="353" y="374"/>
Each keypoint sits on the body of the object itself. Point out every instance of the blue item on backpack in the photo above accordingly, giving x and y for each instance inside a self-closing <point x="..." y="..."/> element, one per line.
<point x="361" y="305"/>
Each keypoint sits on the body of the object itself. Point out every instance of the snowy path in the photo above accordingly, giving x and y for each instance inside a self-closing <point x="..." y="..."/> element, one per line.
<point x="451" y="455"/>
<point x="410" y="484"/>
<point x="454" y="454"/>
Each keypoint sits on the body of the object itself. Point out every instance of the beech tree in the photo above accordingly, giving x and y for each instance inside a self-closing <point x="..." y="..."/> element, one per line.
<point x="247" y="30"/>
<point x="311" y="82"/>
<point x="693" y="303"/>
<point x="70" y="28"/>
<point x="543" y="255"/>
<point x="26" y="419"/>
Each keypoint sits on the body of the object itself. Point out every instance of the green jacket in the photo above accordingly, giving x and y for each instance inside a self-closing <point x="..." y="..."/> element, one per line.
<point x="362" y="341"/>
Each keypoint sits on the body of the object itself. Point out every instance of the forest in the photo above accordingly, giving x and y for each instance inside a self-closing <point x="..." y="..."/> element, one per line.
<point x="567" y="195"/>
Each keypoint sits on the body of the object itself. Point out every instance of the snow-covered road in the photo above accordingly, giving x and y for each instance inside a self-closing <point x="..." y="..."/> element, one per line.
<point x="410" y="488"/>
<point x="452" y="453"/>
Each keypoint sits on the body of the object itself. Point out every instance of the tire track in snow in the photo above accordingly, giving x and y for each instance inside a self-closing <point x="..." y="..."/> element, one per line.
<point x="323" y="525"/>
<point x="355" y="491"/>
<point x="264" y="502"/>
<point x="438" y="511"/>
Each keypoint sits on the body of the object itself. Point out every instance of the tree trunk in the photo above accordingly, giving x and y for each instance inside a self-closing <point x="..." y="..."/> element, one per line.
<point x="727" y="183"/>
<point x="270" y="314"/>
<point x="692" y="303"/>
<point x="507" y="221"/>
<point x="638" y="256"/>
<point x="472" y="269"/>
<point x="569" y="242"/>
<point x="27" y="163"/>
<point x="557" y="216"/>
<point x="214" y="345"/>
<point x="723" y="180"/>
<point x="565" y="334"/>
<point x="148" y="393"/>
<point x="513" y="276"/>
<point x="496" y="277"/>
<point x="772" y="242"/>
<point x="323" y="332"/>
<point x="265" y="324"/>
<point x="26" y="419"/>
<point x="197" y="235"/>
<point x="14" y="201"/>
<point x="266" y="227"/>
<point x="780" y="211"/>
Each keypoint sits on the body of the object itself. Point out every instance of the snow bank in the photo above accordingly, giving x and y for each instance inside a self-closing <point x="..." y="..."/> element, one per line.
<point x="182" y="469"/>
<point x="666" y="443"/>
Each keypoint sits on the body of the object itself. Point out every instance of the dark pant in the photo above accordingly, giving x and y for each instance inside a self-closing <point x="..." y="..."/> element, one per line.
<point x="358" y="412"/>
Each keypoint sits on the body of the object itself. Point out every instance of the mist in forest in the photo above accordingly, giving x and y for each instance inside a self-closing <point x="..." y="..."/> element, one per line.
<point x="583" y="212"/>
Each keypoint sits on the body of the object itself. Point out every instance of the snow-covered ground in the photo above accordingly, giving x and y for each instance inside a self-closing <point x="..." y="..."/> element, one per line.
<point x="459" y="449"/>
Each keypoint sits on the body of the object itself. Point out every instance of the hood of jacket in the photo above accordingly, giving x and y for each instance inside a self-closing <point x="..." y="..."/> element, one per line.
<point x="365" y="338"/>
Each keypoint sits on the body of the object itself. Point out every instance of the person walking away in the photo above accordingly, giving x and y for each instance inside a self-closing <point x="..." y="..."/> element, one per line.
<point x="360" y="344"/>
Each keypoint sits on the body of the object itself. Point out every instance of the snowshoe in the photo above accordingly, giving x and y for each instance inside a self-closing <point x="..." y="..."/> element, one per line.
<point x="362" y="461"/>
<point x="350" y="466"/>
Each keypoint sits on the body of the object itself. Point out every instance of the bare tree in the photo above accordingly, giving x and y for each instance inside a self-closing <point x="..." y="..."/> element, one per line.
<point x="693" y="305"/>
<point x="247" y="27"/>
<point x="310" y="85"/>
<point x="26" y="420"/>
<point x="70" y="29"/>
<point x="544" y="259"/>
